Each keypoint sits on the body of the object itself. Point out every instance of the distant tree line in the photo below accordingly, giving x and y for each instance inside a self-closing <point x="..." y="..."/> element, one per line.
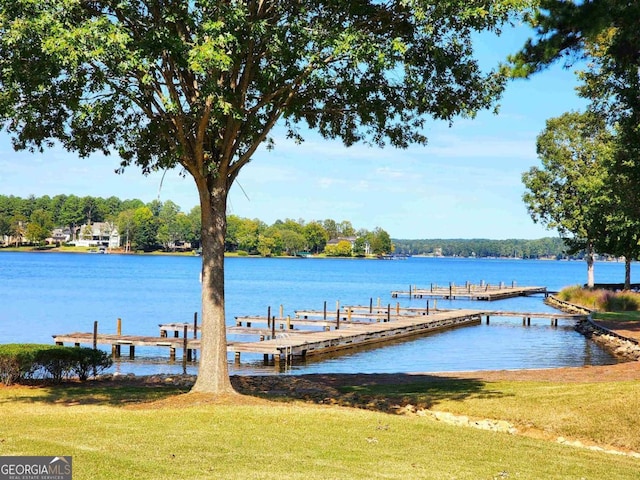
<point x="142" y="226"/>
<point x="162" y="225"/>
<point x="547" y="247"/>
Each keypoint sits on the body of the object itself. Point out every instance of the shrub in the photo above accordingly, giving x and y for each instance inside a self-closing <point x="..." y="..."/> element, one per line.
<point x="17" y="362"/>
<point x="24" y="361"/>
<point x="90" y="362"/>
<point x="56" y="361"/>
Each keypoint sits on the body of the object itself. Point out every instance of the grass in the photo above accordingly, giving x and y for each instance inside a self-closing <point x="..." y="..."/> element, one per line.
<point x="618" y="316"/>
<point x="606" y="413"/>
<point x="114" y="433"/>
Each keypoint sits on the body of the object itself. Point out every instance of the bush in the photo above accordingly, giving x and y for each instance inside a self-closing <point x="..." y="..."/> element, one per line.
<point x="600" y="299"/>
<point x="90" y="362"/>
<point x="17" y="362"/>
<point x="24" y="361"/>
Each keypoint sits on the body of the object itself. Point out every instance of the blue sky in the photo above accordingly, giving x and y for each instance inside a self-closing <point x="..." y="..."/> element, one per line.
<point x="466" y="183"/>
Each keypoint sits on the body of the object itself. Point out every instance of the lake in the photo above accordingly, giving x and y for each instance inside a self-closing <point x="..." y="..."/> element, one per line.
<point x="43" y="294"/>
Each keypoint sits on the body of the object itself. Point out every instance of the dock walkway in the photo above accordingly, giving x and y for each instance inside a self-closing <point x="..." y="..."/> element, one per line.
<point x="287" y="342"/>
<point x="298" y="343"/>
<point x="483" y="291"/>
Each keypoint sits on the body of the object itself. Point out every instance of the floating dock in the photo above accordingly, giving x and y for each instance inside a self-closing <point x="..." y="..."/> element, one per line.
<point x="482" y="291"/>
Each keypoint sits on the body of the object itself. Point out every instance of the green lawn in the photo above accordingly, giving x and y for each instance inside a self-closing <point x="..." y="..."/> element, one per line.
<point x="112" y="434"/>
<point x="632" y="316"/>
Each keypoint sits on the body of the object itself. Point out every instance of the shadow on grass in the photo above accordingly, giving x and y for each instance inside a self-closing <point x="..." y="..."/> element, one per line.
<point x="381" y="392"/>
<point x="93" y="393"/>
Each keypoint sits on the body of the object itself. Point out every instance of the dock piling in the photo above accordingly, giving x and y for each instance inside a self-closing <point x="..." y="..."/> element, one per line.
<point x="185" y="352"/>
<point x="195" y="324"/>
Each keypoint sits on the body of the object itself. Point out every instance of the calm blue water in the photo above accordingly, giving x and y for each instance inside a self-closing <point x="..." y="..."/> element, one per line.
<point x="43" y="294"/>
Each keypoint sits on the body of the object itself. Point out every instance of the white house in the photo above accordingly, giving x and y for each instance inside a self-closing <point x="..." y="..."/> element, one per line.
<point x="98" y="234"/>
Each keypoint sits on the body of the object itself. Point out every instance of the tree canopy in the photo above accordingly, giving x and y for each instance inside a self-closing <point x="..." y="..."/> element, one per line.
<point x="568" y="192"/>
<point x="200" y="85"/>
<point x="605" y="33"/>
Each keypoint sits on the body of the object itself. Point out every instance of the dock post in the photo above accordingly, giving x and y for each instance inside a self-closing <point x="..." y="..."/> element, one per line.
<point x="95" y="335"/>
<point x="409" y="292"/>
<point x="450" y="290"/>
<point x="184" y="347"/>
<point x="288" y="322"/>
<point x="237" y="357"/>
<point x="132" y="352"/>
<point x="324" y="311"/>
<point x="172" y="354"/>
<point x="388" y="312"/>
<point x="427" y="307"/>
<point x="119" y="327"/>
<point x="273" y="327"/>
<point x="338" y="319"/>
<point x="487" y="319"/>
<point x="397" y="308"/>
<point x="195" y="324"/>
<point x="268" y="316"/>
<point x="370" y="304"/>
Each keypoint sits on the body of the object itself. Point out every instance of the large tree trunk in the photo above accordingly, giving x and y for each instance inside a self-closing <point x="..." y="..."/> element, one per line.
<point x="627" y="272"/>
<point x="589" y="259"/>
<point x="213" y="375"/>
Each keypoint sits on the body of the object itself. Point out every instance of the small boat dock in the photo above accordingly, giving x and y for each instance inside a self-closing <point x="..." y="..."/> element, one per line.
<point x="305" y="335"/>
<point x="340" y="334"/>
<point x="316" y="332"/>
<point x="481" y="291"/>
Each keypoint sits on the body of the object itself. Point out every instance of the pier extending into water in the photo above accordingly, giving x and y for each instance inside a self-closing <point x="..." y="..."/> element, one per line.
<point x="481" y="291"/>
<point x="316" y="332"/>
<point x="282" y="338"/>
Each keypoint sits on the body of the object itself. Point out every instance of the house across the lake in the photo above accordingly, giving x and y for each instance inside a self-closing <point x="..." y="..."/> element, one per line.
<point x="98" y="234"/>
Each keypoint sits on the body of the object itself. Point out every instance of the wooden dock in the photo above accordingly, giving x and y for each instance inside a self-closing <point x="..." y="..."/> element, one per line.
<point x="482" y="291"/>
<point x="316" y="332"/>
<point x="285" y="341"/>
<point x="301" y="343"/>
<point x="188" y="345"/>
